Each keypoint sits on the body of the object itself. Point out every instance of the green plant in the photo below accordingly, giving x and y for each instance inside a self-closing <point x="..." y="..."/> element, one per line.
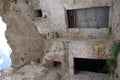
<point x="112" y="62"/>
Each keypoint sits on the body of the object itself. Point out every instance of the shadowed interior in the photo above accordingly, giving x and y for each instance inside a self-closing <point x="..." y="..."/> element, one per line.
<point x="92" y="65"/>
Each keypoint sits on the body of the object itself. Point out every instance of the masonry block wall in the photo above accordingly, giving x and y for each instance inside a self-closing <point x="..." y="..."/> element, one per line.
<point x="87" y="40"/>
<point x="57" y="20"/>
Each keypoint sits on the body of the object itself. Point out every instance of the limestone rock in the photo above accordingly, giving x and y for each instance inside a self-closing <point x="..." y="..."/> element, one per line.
<point x="22" y="35"/>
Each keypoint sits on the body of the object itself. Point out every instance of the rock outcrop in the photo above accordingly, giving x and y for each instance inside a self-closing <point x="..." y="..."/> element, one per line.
<point x="23" y="37"/>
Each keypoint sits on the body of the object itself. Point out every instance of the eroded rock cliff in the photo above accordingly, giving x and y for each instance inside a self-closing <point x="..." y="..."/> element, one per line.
<point x="23" y="37"/>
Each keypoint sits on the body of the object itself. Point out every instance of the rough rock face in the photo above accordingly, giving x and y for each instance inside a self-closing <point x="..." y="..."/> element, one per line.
<point x="23" y="37"/>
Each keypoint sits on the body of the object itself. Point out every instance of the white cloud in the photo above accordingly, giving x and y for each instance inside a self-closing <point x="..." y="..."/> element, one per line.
<point x="1" y="60"/>
<point x="5" y="50"/>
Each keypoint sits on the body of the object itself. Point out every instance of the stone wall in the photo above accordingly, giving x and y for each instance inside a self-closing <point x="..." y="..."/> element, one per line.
<point x="88" y="49"/>
<point x="48" y="37"/>
<point x="116" y="19"/>
<point x="56" y="21"/>
<point x="69" y="43"/>
<point x="116" y="31"/>
<point x="65" y="50"/>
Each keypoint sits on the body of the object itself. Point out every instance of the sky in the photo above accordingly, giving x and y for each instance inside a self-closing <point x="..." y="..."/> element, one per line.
<point x="5" y="50"/>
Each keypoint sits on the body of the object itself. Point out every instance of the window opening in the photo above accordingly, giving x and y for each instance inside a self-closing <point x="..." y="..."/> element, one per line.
<point x="97" y="17"/>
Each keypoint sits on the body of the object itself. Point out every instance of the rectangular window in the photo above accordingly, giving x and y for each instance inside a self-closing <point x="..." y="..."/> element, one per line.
<point x="72" y="19"/>
<point x="97" y="17"/>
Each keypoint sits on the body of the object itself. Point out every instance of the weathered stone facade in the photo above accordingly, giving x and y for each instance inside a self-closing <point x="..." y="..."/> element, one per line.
<point x="56" y="21"/>
<point x="67" y="43"/>
<point x="48" y="38"/>
<point x="115" y="30"/>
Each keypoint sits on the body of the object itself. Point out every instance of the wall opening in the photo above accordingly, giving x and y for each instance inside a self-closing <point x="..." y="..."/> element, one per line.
<point x="91" y="65"/>
<point x="5" y="50"/>
<point x="38" y="13"/>
<point x="57" y="64"/>
<point x="96" y="17"/>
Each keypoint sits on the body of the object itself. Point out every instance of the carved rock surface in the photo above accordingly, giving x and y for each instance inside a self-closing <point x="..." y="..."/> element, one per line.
<point x="22" y="34"/>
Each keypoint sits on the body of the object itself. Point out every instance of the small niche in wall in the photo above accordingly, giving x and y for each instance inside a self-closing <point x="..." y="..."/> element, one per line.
<point x="57" y="64"/>
<point x="38" y="13"/>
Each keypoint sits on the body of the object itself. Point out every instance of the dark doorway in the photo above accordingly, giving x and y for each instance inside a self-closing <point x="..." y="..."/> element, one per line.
<point x="92" y="65"/>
